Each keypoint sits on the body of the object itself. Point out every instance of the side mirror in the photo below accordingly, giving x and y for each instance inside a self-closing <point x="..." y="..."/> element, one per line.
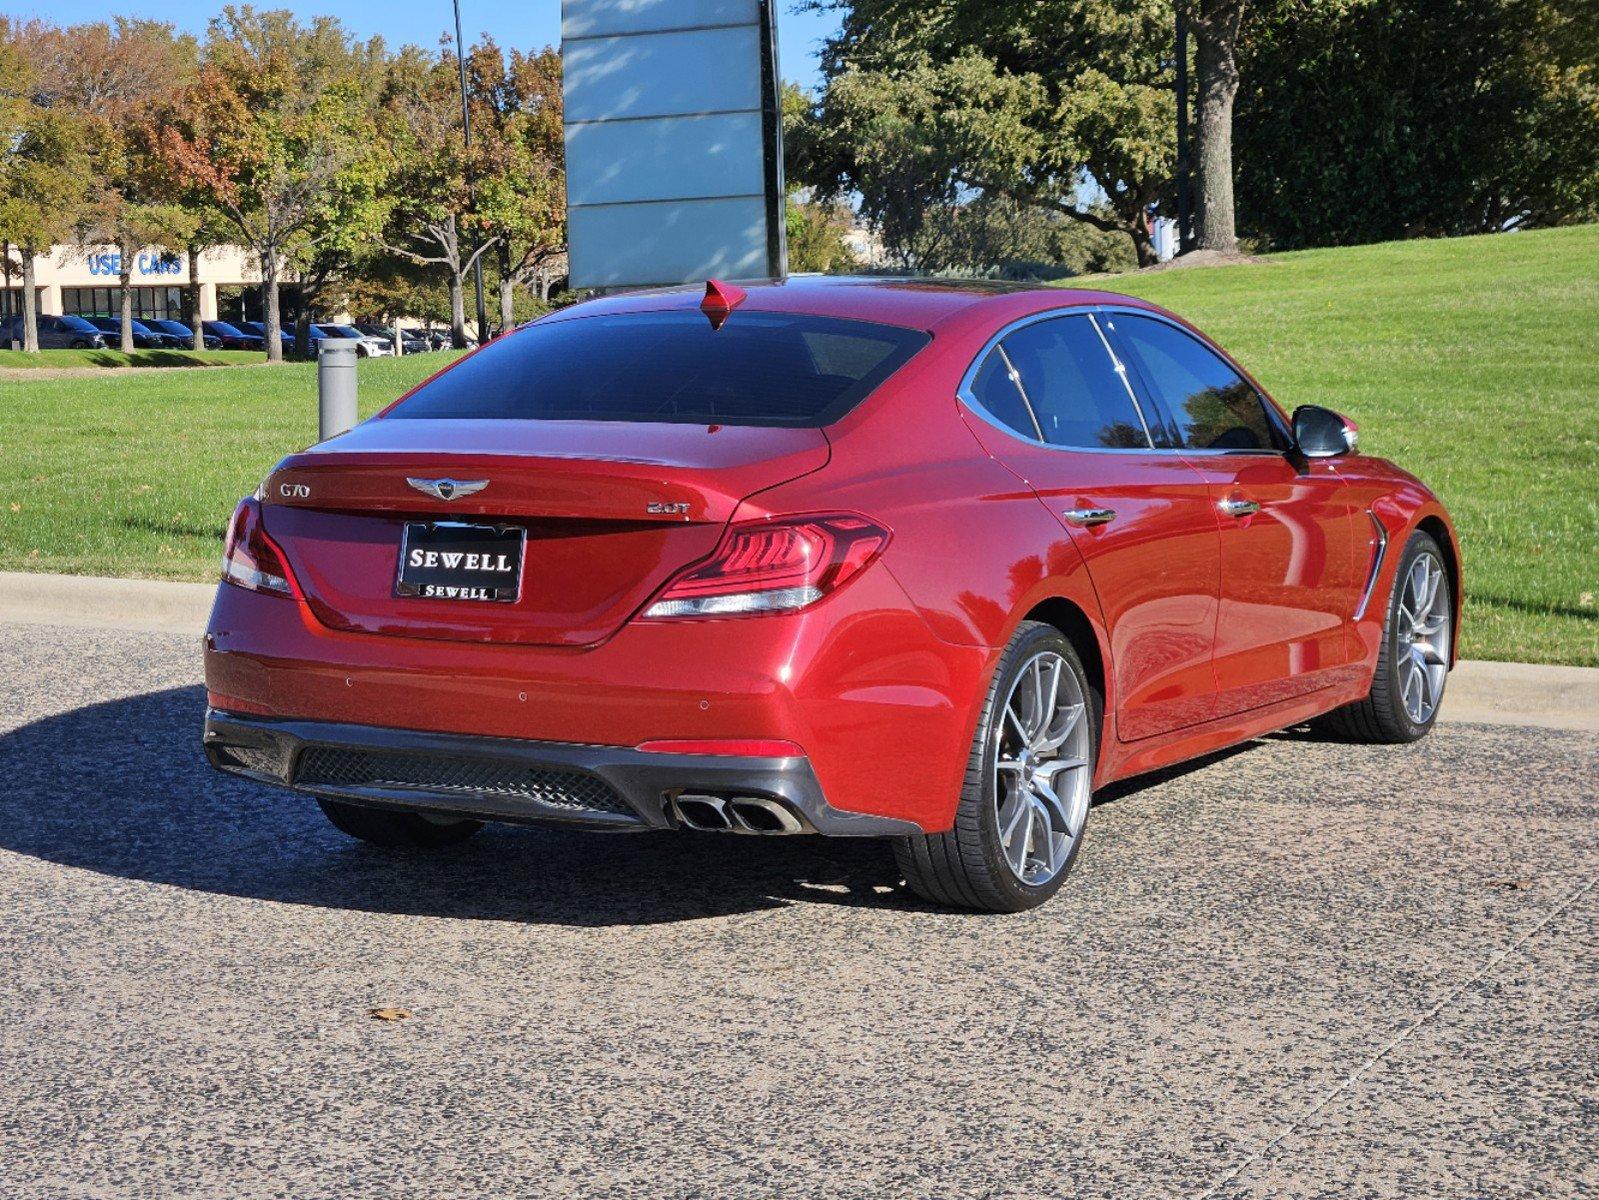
<point x="1321" y="433"/>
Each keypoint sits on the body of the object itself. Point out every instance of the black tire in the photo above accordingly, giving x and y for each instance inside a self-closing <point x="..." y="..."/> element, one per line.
<point x="965" y="867"/>
<point x="1380" y="718"/>
<point x="386" y="827"/>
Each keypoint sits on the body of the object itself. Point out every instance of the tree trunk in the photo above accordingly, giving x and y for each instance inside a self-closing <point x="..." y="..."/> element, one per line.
<point x="302" y="329"/>
<point x="457" y="309"/>
<point x="125" y="298"/>
<point x="507" y="284"/>
<point x="195" y="324"/>
<point x="1216" y="64"/>
<point x="1143" y="242"/>
<point x="30" y="303"/>
<point x="269" y="305"/>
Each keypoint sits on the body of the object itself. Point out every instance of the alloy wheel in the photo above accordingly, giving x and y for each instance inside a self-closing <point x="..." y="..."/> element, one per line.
<point x="1042" y="774"/>
<point x="1423" y="633"/>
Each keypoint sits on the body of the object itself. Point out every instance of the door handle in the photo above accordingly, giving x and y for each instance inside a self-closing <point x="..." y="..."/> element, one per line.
<point x="1089" y="516"/>
<point x="1239" y="508"/>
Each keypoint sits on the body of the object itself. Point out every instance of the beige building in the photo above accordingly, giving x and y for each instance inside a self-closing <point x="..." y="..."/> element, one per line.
<point x="82" y="281"/>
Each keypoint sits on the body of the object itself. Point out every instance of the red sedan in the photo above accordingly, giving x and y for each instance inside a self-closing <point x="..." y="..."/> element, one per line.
<point x="915" y="560"/>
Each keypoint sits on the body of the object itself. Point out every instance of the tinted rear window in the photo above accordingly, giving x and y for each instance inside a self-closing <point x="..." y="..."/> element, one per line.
<point x="757" y="369"/>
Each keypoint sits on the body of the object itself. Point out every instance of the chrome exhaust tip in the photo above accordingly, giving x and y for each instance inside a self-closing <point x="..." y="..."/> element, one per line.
<point x="708" y="814"/>
<point x="757" y="814"/>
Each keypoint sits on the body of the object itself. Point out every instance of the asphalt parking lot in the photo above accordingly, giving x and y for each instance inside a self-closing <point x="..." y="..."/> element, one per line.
<point x="1298" y="969"/>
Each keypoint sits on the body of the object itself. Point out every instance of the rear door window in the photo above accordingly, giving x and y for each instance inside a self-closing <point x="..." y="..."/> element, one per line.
<point x="1071" y="383"/>
<point x="1210" y="406"/>
<point x="758" y="369"/>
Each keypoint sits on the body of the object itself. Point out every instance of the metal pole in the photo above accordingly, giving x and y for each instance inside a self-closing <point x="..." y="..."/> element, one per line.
<point x="1185" y="188"/>
<point x="466" y="138"/>
<point x="336" y="386"/>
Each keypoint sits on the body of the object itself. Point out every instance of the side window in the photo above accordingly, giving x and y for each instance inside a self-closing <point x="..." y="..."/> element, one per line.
<point x="1073" y="386"/>
<point x="1214" y="408"/>
<point x="995" y="389"/>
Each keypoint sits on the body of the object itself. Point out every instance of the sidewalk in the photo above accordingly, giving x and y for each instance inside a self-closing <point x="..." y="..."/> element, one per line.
<point x="1489" y="693"/>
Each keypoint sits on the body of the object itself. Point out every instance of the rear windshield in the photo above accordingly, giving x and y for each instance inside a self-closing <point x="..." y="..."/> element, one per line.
<point x="757" y="369"/>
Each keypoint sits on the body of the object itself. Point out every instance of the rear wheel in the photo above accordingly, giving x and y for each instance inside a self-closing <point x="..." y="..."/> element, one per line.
<point x="1413" y="661"/>
<point x="1022" y="810"/>
<point x="384" y="827"/>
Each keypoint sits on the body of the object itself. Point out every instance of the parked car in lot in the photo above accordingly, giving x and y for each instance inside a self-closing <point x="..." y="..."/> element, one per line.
<point x="258" y="328"/>
<point x="410" y="339"/>
<point x="368" y="345"/>
<point x="182" y="334"/>
<point x="232" y="337"/>
<point x="144" y="338"/>
<point x="926" y="561"/>
<point x="55" y="332"/>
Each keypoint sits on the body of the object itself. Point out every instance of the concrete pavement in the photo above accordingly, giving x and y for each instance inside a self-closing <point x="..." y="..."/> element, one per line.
<point x="1297" y="969"/>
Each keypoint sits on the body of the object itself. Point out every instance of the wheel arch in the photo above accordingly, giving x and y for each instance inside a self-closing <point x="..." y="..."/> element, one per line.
<point x="1074" y="624"/>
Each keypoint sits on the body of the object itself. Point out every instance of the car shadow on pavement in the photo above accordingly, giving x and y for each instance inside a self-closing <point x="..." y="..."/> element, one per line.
<point x="122" y="788"/>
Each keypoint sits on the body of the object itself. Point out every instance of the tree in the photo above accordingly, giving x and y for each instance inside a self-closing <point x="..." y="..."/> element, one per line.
<point x="1216" y="25"/>
<point x="1369" y="120"/>
<point x="1061" y="105"/>
<point x="434" y="218"/>
<point x="107" y="78"/>
<point x="519" y="184"/>
<point x="278" y="129"/>
<point x="43" y="169"/>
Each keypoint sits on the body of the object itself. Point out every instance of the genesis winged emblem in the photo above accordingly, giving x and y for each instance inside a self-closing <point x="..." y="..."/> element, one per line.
<point x="448" y="489"/>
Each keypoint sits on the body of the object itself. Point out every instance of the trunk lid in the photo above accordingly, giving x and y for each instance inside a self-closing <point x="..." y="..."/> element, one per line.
<point x="611" y="509"/>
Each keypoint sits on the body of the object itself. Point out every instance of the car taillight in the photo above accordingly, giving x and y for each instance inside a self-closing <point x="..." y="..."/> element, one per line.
<point x="773" y="566"/>
<point x="250" y="559"/>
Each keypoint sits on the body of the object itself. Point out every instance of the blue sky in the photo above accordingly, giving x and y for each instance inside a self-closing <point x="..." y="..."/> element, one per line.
<point x="525" y="25"/>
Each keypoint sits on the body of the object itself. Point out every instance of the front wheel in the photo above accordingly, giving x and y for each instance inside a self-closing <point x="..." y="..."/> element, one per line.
<point x="1413" y="660"/>
<point x="1019" y="822"/>
<point x="386" y="827"/>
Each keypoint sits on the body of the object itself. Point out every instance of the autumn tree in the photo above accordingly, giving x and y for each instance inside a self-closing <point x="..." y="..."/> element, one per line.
<point x="519" y="184"/>
<point x="436" y="216"/>
<point x="43" y="167"/>
<point x="107" y="77"/>
<point x="275" y="127"/>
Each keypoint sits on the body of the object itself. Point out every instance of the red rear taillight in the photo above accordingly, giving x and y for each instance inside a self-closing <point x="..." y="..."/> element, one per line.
<point x="250" y="559"/>
<point x="773" y="566"/>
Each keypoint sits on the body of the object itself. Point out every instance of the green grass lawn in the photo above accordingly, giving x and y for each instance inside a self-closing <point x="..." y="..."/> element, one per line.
<point x="135" y="358"/>
<point x="136" y="473"/>
<point x="1473" y="362"/>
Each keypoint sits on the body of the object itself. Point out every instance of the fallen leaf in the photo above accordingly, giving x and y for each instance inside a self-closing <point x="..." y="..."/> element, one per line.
<point x="1512" y="885"/>
<point x="1586" y="599"/>
<point x="15" y="507"/>
<point x="388" y="1014"/>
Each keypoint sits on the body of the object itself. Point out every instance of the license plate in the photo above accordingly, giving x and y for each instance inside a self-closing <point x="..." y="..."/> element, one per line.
<point x="449" y="561"/>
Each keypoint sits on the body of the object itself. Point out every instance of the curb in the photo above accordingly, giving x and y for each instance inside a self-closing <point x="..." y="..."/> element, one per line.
<point x="1489" y="693"/>
<point x="147" y="604"/>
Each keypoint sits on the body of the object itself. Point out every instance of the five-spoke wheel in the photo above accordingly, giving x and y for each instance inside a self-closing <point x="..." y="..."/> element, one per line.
<point x="1041" y="778"/>
<point x="1414" y="656"/>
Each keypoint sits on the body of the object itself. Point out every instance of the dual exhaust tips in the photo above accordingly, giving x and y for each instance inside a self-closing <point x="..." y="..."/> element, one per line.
<point x="735" y="814"/>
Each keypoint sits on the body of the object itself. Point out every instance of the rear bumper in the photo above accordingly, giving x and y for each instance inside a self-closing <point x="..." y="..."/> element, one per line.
<point x="882" y="709"/>
<point x="510" y="779"/>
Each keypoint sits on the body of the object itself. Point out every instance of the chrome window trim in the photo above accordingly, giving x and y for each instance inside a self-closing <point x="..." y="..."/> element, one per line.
<point x="964" y="393"/>
<point x="1376" y="565"/>
<point x="1021" y="389"/>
